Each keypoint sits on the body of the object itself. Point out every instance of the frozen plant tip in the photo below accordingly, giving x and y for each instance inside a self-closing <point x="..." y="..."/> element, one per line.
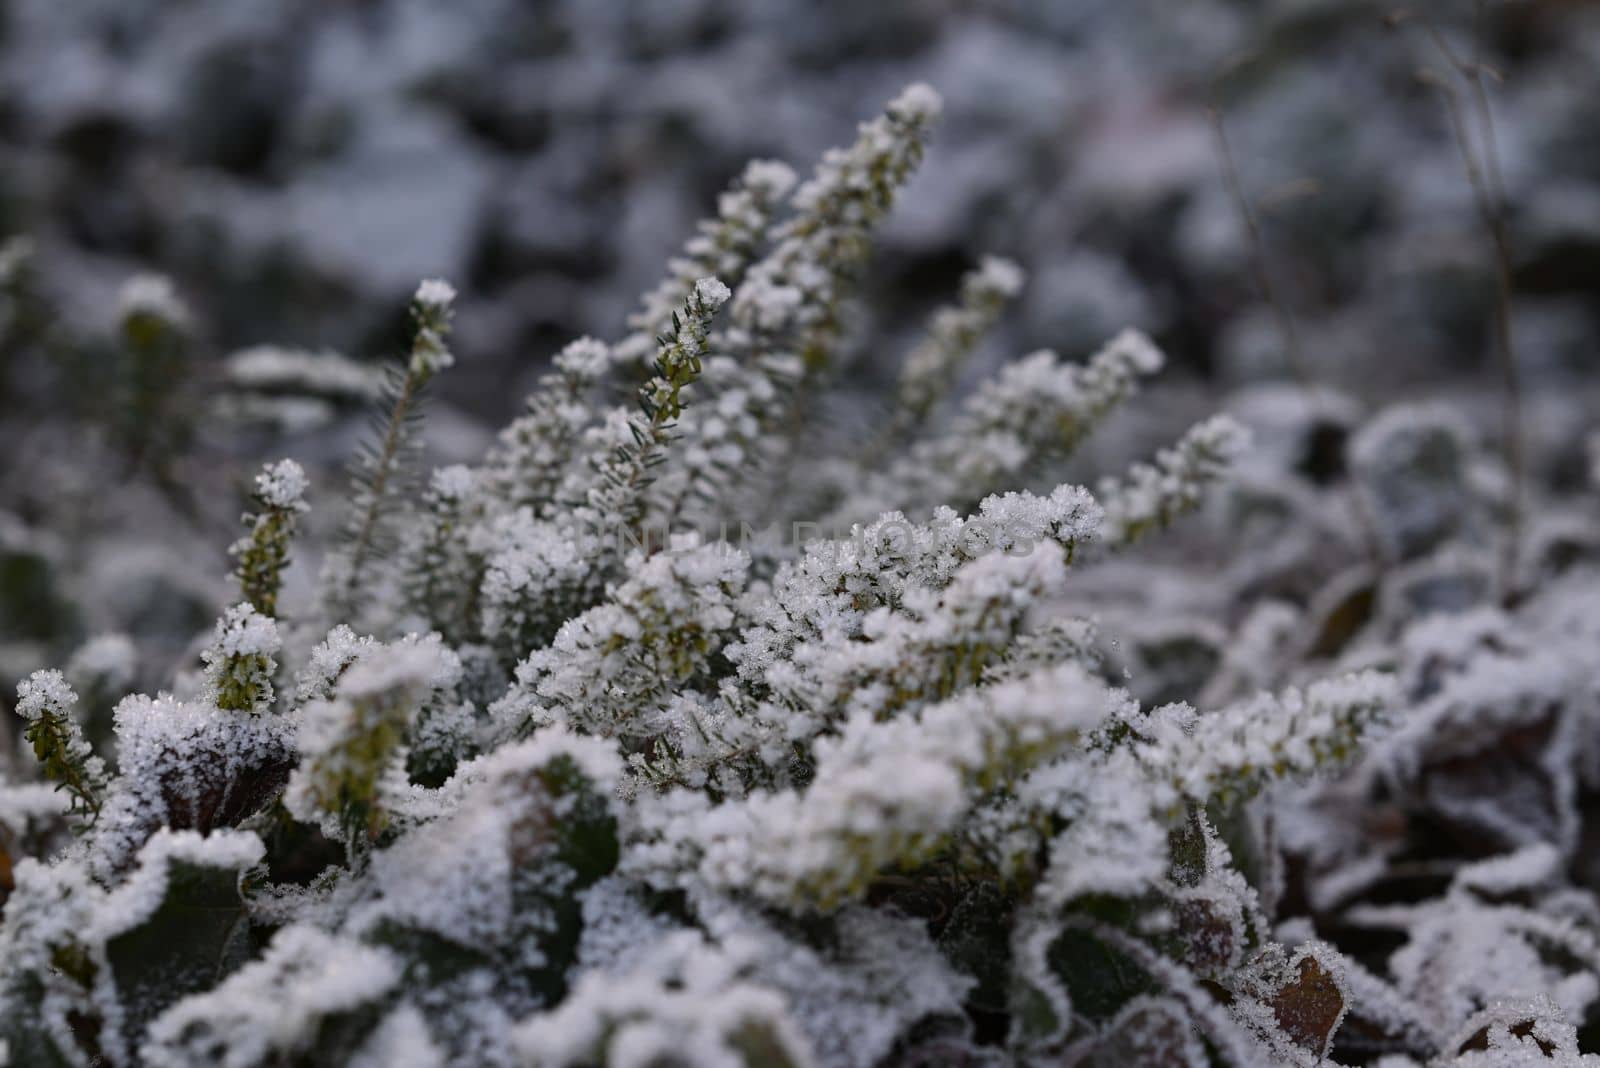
<point x="527" y="463"/>
<point x="240" y="660"/>
<point x="723" y="248"/>
<point x="151" y="299"/>
<point x="432" y="308"/>
<point x="791" y="296"/>
<point x="1037" y="409"/>
<point x="617" y="496"/>
<point x="263" y="553"/>
<point x="44" y="701"/>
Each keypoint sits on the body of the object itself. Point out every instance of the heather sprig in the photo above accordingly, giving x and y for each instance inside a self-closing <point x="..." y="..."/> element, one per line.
<point x="438" y="571"/>
<point x="1036" y="411"/>
<point x="791" y="298"/>
<point x="953" y="332"/>
<point x="240" y="661"/>
<point x="540" y="570"/>
<point x="379" y="467"/>
<point x="533" y="452"/>
<point x="787" y="315"/>
<point x="263" y="553"/>
<point x="1151" y="496"/>
<point x="723" y="248"/>
<point x="617" y="495"/>
<point x="44" y="701"/>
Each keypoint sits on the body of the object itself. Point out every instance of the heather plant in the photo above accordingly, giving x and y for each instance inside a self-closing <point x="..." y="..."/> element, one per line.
<point x="575" y="757"/>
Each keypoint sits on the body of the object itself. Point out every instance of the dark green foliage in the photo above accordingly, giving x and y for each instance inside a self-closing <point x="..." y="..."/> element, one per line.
<point x="201" y="911"/>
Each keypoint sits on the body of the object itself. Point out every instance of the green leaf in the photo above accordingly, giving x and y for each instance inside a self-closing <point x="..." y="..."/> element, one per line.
<point x="1100" y="978"/>
<point x="196" y="937"/>
<point x="976" y="941"/>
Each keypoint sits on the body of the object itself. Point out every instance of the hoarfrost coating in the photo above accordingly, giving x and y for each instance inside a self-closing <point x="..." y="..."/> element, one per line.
<point x="1246" y="757"/>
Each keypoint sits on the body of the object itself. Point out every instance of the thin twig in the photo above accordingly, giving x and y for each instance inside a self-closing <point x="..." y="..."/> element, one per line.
<point x="1482" y="165"/>
<point x="1286" y="322"/>
<point x="1258" y="251"/>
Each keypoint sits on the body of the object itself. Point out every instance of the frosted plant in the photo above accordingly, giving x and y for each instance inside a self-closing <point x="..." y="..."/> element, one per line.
<point x="1153" y="495"/>
<point x="723" y="248"/>
<point x="617" y="493"/>
<point x="687" y="1001"/>
<point x="542" y="570"/>
<point x="786" y="316"/>
<point x="437" y="570"/>
<point x="611" y="669"/>
<point x="274" y="1006"/>
<point x="381" y="464"/>
<point x="240" y="661"/>
<point x="154" y="331"/>
<point x="186" y="765"/>
<point x="931" y="368"/>
<point x="293" y="390"/>
<point x="45" y="702"/>
<point x="263" y="554"/>
<point x="887" y="793"/>
<point x="152" y="297"/>
<point x="533" y="452"/>
<point x="347" y="740"/>
<point x="791" y="295"/>
<point x="1034" y="411"/>
<point x="273" y="369"/>
<point x="572" y="779"/>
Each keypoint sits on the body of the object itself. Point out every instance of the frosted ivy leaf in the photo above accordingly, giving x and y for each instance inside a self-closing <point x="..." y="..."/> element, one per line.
<point x="185" y="888"/>
<point x="273" y="1007"/>
<point x="187" y="765"/>
<point x="863" y="981"/>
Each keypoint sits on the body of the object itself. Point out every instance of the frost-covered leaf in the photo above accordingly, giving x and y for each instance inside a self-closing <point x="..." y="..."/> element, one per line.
<point x="177" y="926"/>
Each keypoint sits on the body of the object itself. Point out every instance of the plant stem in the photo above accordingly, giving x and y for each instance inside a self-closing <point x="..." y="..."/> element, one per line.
<point x="1258" y="250"/>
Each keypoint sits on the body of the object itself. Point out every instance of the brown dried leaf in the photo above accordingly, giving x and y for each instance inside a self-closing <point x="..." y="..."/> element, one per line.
<point x="1309" y="1008"/>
